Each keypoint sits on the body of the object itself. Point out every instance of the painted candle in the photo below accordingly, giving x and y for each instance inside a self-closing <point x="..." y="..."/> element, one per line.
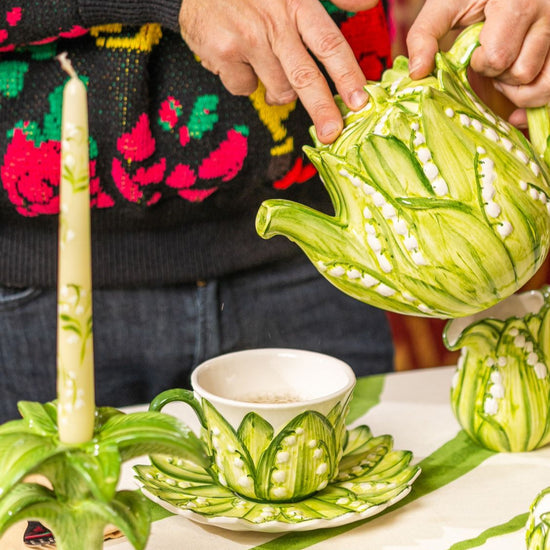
<point x="75" y="361"/>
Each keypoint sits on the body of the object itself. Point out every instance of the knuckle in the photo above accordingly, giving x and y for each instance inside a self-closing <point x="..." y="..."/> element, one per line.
<point x="497" y="60"/>
<point x="330" y="43"/>
<point x="524" y="73"/>
<point x="293" y="6"/>
<point x="280" y="98"/>
<point x="302" y="76"/>
<point x="227" y="50"/>
<point x="320" y="110"/>
<point x="524" y="8"/>
<point x="346" y="76"/>
<point x="239" y="89"/>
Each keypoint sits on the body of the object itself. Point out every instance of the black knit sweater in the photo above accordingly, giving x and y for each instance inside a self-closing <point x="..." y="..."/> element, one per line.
<point x="178" y="166"/>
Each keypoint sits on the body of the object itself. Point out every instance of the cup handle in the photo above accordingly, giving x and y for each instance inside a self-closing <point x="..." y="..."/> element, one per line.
<point x="178" y="394"/>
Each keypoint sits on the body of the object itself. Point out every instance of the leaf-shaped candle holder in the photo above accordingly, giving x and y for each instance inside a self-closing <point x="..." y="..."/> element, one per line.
<point x="82" y="498"/>
<point x="441" y="208"/>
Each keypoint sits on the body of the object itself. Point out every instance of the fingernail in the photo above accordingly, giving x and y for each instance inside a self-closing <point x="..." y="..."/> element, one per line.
<point x="329" y="129"/>
<point x="498" y="86"/>
<point x="358" y="99"/>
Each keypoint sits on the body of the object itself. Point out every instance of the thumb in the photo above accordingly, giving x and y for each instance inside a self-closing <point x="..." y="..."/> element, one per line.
<point x="432" y="23"/>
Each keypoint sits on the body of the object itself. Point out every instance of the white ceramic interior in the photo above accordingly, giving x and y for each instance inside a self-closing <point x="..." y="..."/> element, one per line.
<point x="516" y="305"/>
<point x="285" y="381"/>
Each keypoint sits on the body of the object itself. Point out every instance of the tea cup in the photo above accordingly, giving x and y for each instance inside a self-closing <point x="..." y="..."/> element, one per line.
<point x="272" y="420"/>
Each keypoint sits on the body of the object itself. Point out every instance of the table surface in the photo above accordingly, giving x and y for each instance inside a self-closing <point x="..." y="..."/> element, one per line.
<point x="466" y="496"/>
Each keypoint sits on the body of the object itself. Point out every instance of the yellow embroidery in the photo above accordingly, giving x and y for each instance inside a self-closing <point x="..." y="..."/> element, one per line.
<point x="283" y="148"/>
<point x="145" y="39"/>
<point x="273" y="117"/>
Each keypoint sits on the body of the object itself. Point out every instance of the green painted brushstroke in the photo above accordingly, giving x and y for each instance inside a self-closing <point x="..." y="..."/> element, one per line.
<point x="157" y="511"/>
<point x="452" y="460"/>
<point x="366" y="395"/>
<point x="515" y="524"/>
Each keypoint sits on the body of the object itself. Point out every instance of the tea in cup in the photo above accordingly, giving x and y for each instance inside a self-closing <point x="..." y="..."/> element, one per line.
<point x="272" y="420"/>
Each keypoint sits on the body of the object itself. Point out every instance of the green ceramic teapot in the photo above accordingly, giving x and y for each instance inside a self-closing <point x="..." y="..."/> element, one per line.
<point x="537" y="530"/>
<point x="441" y="207"/>
<point x="501" y="390"/>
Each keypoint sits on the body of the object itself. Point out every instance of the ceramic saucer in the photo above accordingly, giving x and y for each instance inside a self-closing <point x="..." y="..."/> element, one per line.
<point x="372" y="477"/>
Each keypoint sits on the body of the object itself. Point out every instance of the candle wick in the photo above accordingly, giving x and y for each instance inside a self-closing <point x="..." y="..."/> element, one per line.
<point x="66" y="64"/>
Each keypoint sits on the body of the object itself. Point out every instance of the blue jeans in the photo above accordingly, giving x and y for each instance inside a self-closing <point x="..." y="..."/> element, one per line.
<point x="148" y="340"/>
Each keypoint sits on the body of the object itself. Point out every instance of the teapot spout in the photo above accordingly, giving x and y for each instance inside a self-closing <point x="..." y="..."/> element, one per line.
<point x="316" y="233"/>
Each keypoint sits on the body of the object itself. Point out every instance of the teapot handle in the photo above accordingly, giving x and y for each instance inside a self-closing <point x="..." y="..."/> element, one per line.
<point x="538" y="118"/>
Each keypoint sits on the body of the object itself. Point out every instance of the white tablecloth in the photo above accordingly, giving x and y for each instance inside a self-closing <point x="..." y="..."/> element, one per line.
<point x="466" y="497"/>
<point x="484" y="507"/>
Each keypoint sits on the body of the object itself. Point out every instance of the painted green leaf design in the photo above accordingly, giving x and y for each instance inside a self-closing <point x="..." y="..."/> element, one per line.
<point x="386" y="478"/>
<point x="142" y="433"/>
<point x="38" y="418"/>
<point x="357" y="440"/>
<point x="21" y="502"/>
<point x="180" y="469"/>
<point x="299" y="459"/>
<point x="21" y="454"/>
<point x="356" y="461"/>
<point x="256" y="435"/>
<point x="100" y="469"/>
<point x="234" y="467"/>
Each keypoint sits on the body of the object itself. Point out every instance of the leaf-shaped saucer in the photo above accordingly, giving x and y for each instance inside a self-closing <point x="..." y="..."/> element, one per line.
<point x="372" y="477"/>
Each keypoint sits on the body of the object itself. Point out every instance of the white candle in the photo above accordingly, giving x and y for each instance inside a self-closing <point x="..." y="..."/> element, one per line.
<point x="75" y="361"/>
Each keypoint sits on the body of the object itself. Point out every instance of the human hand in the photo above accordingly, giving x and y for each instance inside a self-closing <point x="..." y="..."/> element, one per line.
<point x="514" y="44"/>
<point x="275" y="42"/>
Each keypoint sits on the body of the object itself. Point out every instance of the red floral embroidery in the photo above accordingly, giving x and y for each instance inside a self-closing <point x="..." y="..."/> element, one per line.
<point x="299" y="173"/>
<point x="169" y="112"/>
<point x="183" y="177"/>
<point x="98" y="197"/>
<point x="30" y="175"/>
<point x="184" y="136"/>
<point x="13" y="16"/>
<point x="135" y="146"/>
<point x="132" y="187"/>
<point x="74" y="32"/>
<point x="139" y="143"/>
<point x="368" y="35"/>
<point x="226" y="161"/>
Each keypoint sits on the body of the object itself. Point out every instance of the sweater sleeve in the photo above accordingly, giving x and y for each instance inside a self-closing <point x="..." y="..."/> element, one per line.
<point x="131" y="12"/>
<point x="27" y="22"/>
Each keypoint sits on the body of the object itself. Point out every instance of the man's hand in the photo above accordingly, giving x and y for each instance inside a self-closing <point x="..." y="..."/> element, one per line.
<point x="515" y="43"/>
<point x="276" y="41"/>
